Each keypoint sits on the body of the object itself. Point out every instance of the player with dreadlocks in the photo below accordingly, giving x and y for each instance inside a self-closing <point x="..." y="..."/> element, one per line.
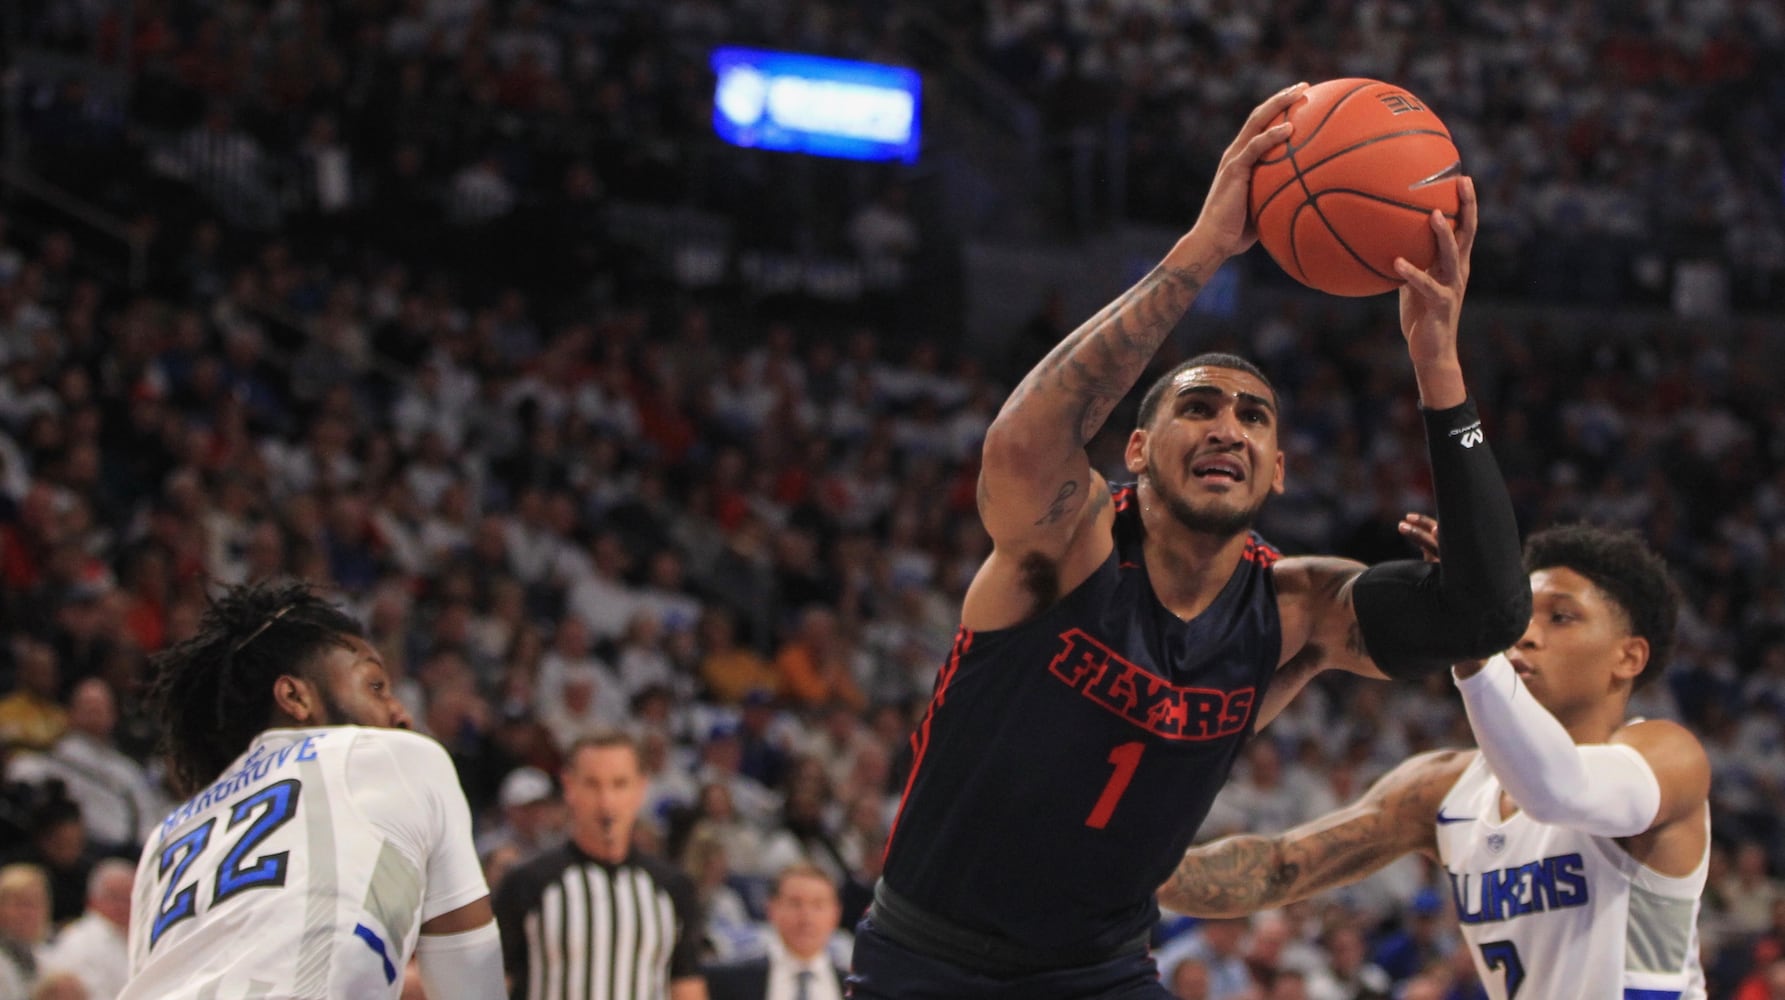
<point x="322" y="844"/>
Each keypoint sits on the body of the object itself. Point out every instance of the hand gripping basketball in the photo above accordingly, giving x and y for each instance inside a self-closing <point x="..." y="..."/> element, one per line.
<point x="1225" y="221"/>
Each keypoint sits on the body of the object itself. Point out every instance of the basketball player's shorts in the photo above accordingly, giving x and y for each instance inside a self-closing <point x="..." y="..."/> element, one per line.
<point x="883" y="969"/>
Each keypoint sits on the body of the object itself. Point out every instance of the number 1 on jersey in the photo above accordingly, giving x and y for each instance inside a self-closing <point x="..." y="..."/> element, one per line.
<point x="1126" y="758"/>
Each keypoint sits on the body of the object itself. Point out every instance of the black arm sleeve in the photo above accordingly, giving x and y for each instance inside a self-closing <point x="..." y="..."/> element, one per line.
<point x="1418" y="617"/>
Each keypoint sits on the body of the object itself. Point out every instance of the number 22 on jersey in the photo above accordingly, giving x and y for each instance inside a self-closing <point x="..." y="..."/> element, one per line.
<point x="256" y="816"/>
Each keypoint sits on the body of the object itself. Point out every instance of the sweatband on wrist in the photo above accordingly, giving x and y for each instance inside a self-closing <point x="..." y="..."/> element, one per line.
<point x="462" y="966"/>
<point x="1605" y="789"/>
<point x="1416" y="617"/>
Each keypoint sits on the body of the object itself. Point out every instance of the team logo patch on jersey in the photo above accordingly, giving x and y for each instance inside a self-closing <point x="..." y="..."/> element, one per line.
<point x="1146" y="699"/>
<point x="1496" y="842"/>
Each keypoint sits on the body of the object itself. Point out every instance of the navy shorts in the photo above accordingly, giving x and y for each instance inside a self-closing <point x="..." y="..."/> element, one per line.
<point x="884" y="970"/>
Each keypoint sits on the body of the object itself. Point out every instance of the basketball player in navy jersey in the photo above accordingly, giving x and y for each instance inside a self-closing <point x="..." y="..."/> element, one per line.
<point x="1119" y="645"/>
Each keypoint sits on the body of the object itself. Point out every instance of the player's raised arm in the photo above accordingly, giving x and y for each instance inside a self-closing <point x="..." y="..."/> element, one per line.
<point x="1036" y="486"/>
<point x="1242" y="874"/>
<point x="1407" y="618"/>
<point x="1650" y="774"/>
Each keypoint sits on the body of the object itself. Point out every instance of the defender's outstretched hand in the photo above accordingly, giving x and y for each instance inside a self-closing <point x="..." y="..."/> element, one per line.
<point x="1431" y="300"/>
<point x="1422" y="531"/>
<point x="1226" y="220"/>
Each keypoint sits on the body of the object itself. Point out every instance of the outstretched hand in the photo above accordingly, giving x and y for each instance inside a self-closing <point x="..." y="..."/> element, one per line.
<point x="1431" y="300"/>
<point x="1422" y="531"/>
<point x="1226" y="217"/>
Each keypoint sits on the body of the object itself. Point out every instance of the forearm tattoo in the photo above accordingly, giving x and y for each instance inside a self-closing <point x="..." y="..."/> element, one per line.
<point x="1238" y="875"/>
<point x="1087" y="374"/>
<point x="1230" y="877"/>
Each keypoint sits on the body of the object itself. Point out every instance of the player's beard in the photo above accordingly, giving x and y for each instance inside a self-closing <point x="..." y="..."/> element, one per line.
<point x="334" y="713"/>
<point x="1218" y="522"/>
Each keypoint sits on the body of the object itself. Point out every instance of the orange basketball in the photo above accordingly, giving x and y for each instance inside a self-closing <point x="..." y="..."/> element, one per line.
<point x="1354" y="186"/>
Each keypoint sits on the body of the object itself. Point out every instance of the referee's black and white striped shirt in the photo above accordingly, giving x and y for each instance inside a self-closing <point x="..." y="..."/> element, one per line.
<point x="575" y="928"/>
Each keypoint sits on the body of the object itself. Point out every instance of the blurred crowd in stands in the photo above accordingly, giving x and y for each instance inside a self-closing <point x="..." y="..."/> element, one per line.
<point x="1615" y="140"/>
<point x="386" y="344"/>
<point x="1624" y="148"/>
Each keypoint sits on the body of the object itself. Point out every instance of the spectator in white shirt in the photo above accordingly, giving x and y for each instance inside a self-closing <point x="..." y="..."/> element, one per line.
<point x="666" y="595"/>
<point x="670" y="787"/>
<point x="431" y="471"/>
<point x="602" y="600"/>
<point x="729" y="929"/>
<point x="397" y="525"/>
<point x="531" y="544"/>
<point x="94" y="947"/>
<point x="570" y="649"/>
<point x="117" y="800"/>
<point x="24" y="925"/>
<point x="480" y="193"/>
<point x="229" y="530"/>
<point x="532" y="817"/>
<point x="427" y="406"/>
<point x="1189" y="979"/>
<point x="328" y="177"/>
<point x="721" y="758"/>
<point x="589" y="701"/>
<point x="642" y="663"/>
<point x="740" y="401"/>
<point x="605" y="402"/>
<point x="1268" y="798"/>
<point x="885" y="237"/>
<point x="1216" y="945"/>
<point x="1352" y="973"/>
<point x="803" y="912"/>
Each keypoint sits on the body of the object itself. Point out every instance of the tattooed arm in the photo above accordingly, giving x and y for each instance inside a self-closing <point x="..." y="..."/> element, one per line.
<point x="1037" y="492"/>
<point x="1235" y="876"/>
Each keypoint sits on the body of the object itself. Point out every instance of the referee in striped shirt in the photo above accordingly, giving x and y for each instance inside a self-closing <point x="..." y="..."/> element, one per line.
<point x="594" y="919"/>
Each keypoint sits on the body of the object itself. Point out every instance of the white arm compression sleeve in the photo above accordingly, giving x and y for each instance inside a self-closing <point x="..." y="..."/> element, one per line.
<point x="1607" y="789"/>
<point x="462" y="966"/>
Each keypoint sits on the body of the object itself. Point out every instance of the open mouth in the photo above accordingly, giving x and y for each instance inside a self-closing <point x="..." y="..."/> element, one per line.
<point x="1219" y="467"/>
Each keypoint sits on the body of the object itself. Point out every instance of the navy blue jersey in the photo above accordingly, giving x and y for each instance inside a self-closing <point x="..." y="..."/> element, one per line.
<point x="1065" y="763"/>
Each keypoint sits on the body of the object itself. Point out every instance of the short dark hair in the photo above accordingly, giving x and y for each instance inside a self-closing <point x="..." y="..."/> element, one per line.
<point x="213" y="693"/>
<point x="1624" y="568"/>
<point x="605" y="739"/>
<point x="1149" y="404"/>
<point x="799" y="869"/>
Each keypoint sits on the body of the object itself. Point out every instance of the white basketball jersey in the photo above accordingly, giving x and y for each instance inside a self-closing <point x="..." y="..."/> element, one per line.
<point x="1556" y="914"/>
<point x="304" y="872"/>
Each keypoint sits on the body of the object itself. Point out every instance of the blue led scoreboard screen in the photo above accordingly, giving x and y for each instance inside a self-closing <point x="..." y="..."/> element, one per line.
<point x="815" y="105"/>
